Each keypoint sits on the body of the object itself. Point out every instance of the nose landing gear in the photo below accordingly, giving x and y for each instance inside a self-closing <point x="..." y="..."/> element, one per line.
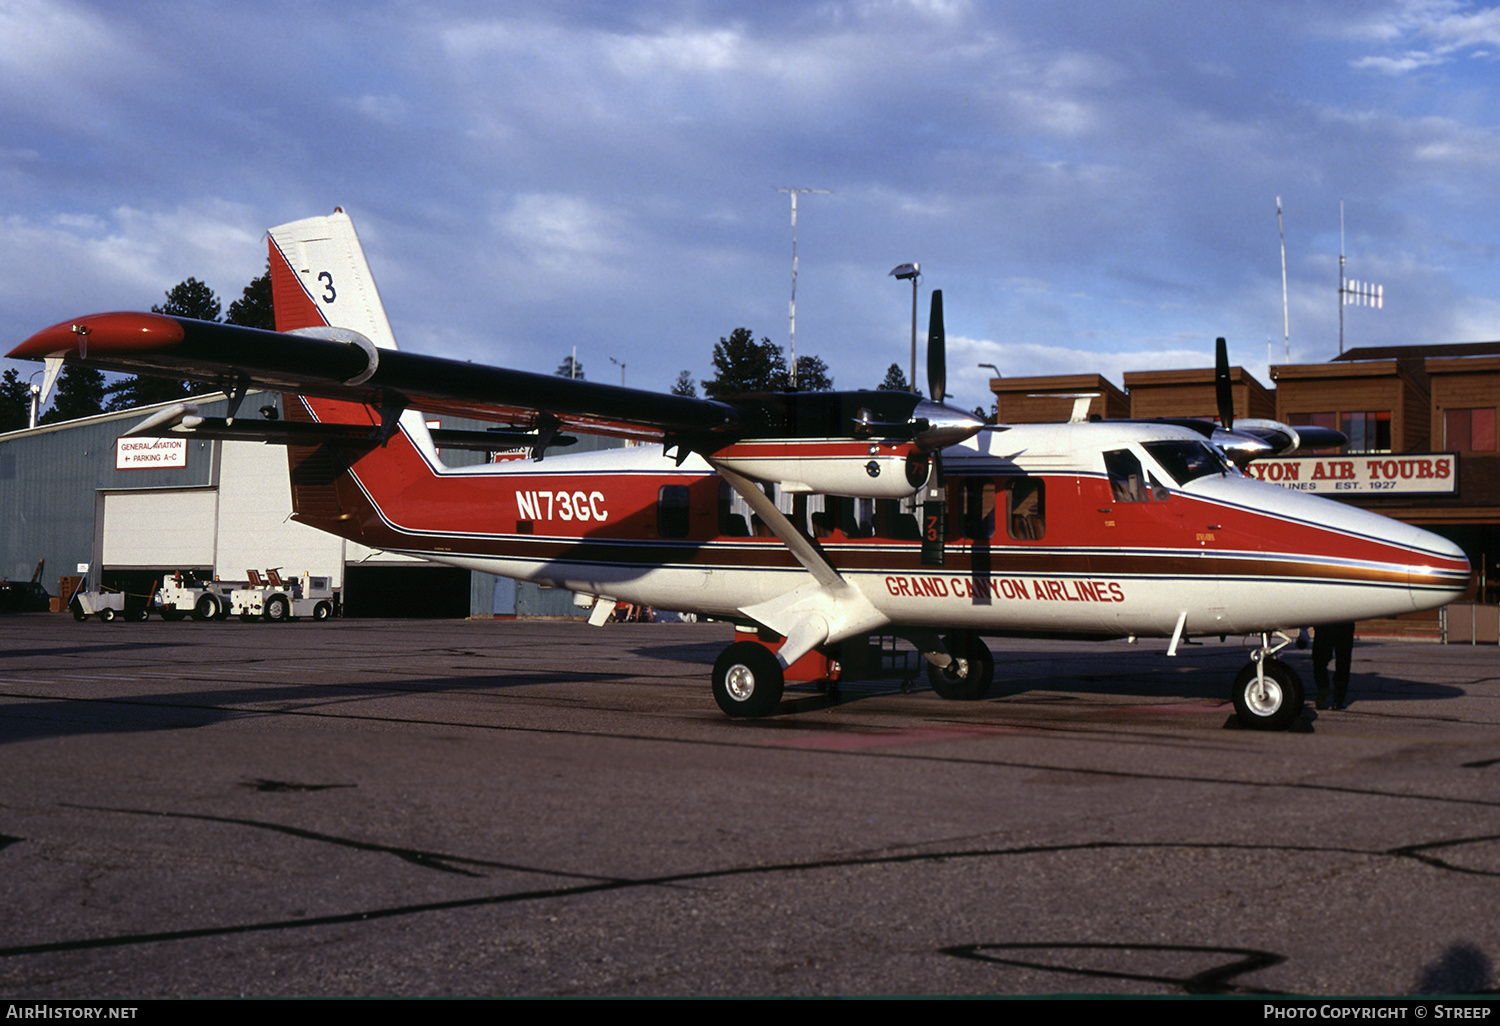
<point x="1268" y="692"/>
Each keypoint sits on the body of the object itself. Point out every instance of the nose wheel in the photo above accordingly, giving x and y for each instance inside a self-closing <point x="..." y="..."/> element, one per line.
<point x="1268" y="692"/>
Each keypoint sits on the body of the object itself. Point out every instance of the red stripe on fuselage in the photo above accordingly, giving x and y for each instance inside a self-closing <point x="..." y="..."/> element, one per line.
<point x="400" y="502"/>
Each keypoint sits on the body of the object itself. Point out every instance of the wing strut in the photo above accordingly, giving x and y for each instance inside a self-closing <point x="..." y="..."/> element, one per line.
<point x="782" y="528"/>
<point x="824" y="610"/>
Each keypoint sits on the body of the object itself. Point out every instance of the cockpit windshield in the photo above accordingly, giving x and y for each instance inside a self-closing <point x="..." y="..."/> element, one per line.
<point x="1187" y="461"/>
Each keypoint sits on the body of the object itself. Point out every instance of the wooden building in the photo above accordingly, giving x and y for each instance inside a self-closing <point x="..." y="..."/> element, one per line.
<point x="1402" y="408"/>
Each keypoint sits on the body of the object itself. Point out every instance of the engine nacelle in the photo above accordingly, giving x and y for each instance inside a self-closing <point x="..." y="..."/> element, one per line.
<point x="832" y="466"/>
<point x="1277" y="438"/>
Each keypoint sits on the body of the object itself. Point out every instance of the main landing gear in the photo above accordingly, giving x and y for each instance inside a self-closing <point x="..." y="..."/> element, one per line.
<point x="1268" y="692"/>
<point x="748" y="680"/>
<point x="969" y="673"/>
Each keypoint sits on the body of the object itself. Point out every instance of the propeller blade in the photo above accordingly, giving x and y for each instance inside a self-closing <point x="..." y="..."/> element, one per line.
<point x="937" y="344"/>
<point x="1223" y="390"/>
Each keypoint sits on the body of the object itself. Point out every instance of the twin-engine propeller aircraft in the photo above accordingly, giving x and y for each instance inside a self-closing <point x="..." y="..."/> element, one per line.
<point x="806" y="519"/>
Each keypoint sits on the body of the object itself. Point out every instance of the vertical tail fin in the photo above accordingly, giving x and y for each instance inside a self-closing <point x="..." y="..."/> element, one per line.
<point x="319" y="277"/>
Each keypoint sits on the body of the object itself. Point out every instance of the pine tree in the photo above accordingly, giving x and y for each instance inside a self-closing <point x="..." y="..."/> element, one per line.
<point x="190" y="298"/>
<point x="79" y="392"/>
<point x="570" y="368"/>
<point x="15" y="401"/>
<point x="685" y="386"/>
<point x="743" y="365"/>
<point x="895" y="380"/>
<point x="812" y="375"/>
<point x="253" y="309"/>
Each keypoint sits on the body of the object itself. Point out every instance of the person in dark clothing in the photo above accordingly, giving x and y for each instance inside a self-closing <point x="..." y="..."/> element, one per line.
<point x="1332" y="641"/>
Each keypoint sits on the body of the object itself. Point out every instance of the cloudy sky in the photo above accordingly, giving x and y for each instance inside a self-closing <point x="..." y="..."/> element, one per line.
<point x="1092" y="185"/>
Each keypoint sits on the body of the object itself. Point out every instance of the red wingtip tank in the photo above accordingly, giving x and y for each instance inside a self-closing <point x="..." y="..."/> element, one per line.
<point x="103" y="333"/>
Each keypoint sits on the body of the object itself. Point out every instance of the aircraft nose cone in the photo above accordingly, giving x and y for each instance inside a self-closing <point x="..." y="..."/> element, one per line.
<point x="1440" y="578"/>
<point x="945" y="426"/>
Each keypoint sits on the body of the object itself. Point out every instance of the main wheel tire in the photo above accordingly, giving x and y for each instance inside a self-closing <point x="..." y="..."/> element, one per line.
<point x="206" y="609"/>
<point x="277" y="609"/>
<point x="969" y="676"/>
<point x="1274" y="706"/>
<point x="322" y="611"/>
<point x="107" y="616"/>
<point x="748" y="680"/>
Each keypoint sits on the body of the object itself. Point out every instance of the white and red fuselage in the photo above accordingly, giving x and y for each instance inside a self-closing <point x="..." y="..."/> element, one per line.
<point x="1044" y="533"/>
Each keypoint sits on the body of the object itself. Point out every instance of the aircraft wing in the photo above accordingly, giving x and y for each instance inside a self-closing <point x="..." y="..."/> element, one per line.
<point x="334" y="341"/>
<point x="340" y="363"/>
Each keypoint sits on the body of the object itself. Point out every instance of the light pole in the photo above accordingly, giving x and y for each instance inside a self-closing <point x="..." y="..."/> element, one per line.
<point x="621" y="365"/>
<point x="36" y="399"/>
<point x="914" y="272"/>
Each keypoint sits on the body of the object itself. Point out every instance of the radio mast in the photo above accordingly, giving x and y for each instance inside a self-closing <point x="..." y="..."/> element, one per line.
<point x="1286" y="317"/>
<point x="1354" y="293"/>
<point x="792" y="317"/>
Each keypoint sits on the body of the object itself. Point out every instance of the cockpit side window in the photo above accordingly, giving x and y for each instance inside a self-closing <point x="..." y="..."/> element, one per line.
<point x="1126" y="478"/>
<point x="1129" y="481"/>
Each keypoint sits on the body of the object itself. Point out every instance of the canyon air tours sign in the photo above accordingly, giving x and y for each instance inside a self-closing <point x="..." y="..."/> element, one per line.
<point x="1372" y="474"/>
<point x="141" y="453"/>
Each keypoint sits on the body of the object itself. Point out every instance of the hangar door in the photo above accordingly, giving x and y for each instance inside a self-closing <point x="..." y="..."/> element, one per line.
<point x="165" y="530"/>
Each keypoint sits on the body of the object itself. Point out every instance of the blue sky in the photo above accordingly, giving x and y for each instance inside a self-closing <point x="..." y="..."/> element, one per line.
<point x="1092" y="185"/>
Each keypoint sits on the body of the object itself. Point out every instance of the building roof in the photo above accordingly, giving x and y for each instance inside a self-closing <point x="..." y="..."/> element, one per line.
<point x="1406" y="353"/>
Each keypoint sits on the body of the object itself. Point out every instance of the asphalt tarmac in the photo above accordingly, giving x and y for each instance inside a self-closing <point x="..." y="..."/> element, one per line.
<point x="541" y="808"/>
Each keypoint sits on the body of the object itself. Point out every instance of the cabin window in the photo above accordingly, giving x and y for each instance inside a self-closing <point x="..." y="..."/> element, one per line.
<point x="784" y="503"/>
<point x="1028" y="509"/>
<point x="734" y="513"/>
<point x="856" y="517"/>
<point x="738" y="520"/>
<point x="822" y="515"/>
<point x="897" y="519"/>
<point x="672" y="511"/>
<point x="976" y="506"/>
